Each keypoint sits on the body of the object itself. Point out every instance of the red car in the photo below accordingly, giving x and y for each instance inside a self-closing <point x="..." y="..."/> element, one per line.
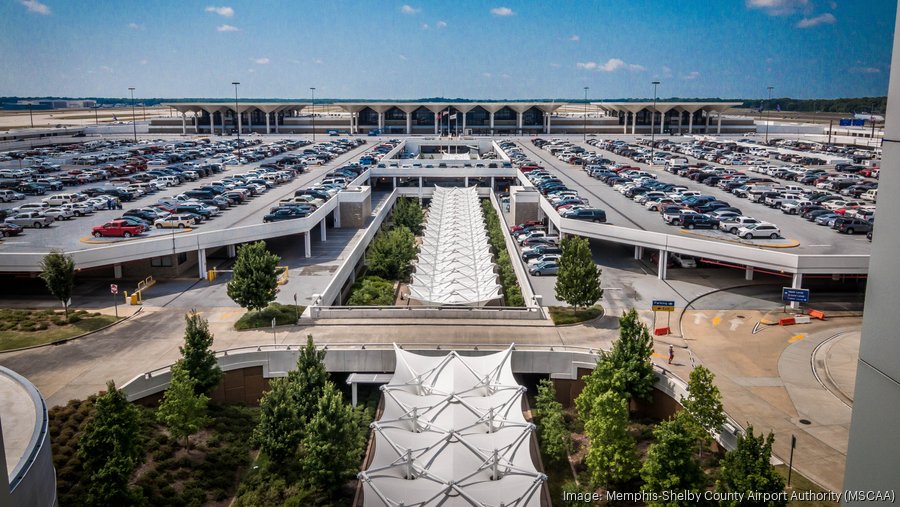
<point x="117" y="228"/>
<point x="526" y="224"/>
<point x="7" y="229"/>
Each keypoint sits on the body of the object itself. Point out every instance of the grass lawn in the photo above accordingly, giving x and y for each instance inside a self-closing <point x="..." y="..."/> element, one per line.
<point x="562" y="315"/>
<point x="283" y="314"/>
<point x="26" y="328"/>
<point x="801" y="483"/>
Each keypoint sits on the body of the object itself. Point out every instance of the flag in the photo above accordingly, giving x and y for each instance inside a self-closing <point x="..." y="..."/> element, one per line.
<point x="453" y="116"/>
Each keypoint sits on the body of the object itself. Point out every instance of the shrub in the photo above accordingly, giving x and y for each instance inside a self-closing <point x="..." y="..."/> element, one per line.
<point x="371" y="291"/>
<point x="74" y="318"/>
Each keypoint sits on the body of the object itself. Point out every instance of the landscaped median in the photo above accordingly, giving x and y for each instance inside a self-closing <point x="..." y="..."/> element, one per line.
<point x="284" y="315"/>
<point x="30" y="328"/>
<point x="566" y="315"/>
<point x="512" y="293"/>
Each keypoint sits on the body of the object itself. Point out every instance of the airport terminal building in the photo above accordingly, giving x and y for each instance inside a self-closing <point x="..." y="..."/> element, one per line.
<point x="466" y="118"/>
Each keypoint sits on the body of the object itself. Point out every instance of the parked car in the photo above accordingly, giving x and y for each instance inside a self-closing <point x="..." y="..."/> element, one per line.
<point x="176" y="221"/>
<point x="698" y="221"/>
<point x="733" y="224"/>
<point x="285" y="213"/>
<point x="34" y="219"/>
<point x="539" y="250"/>
<point x="544" y="268"/>
<point x="9" y="229"/>
<point x="761" y="230"/>
<point x="590" y="214"/>
<point x="854" y="225"/>
<point x="117" y="228"/>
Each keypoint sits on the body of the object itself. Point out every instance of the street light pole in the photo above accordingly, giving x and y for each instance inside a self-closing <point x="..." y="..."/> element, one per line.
<point x="237" y="113"/>
<point x="133" y="117"/>
<point x="768" y="105"/>
<point x="584" y="128"/>
<point x="30" y="115"/>
<point x="653" y="130"/>
<point x="312" y="90"/>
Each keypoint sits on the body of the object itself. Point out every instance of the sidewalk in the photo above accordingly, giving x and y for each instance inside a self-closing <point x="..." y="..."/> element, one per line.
<point x="767" y="380"/>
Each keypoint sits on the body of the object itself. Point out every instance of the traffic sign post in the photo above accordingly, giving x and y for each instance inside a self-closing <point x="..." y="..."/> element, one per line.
<point x="114" y="289"/>
<point x="790" y="294"/>
<point x="662" y="305"/>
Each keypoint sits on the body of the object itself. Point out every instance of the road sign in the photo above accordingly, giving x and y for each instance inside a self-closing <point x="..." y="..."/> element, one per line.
<point x="660" y="305"/>
<point x="798" y="295"/>
<point x="113" y="288"/>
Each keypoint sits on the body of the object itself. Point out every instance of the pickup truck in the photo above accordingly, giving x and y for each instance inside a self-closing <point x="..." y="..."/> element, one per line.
<point x="117" y="228"/>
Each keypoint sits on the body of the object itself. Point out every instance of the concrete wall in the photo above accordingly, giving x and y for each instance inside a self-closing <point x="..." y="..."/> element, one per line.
<point x="355" y="214"/>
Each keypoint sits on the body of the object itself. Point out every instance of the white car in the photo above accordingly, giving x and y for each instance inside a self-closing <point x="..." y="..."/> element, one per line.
<point x="79" y="209"/>
<point x="684" y="261"/>
<point x="545" y="257"/>
<point x="59" y="213"/>
<point x="761" y="230"/>
<point x="733" y="224"/>
<point x="174" y="221"/>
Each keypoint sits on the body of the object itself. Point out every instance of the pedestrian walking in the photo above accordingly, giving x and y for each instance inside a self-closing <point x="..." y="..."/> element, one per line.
<point x="671" y="354"/>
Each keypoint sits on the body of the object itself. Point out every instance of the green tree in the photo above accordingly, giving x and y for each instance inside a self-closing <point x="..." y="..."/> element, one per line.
<point x="391" y="253"/>
<point x="110" y="450"/>
<point x="372" y="291"/>
<point x="612" y="457"/>
<point x="308" y="379"/>
<point x="278" y="432"/>
<point x="333" y="444"/>
<point x="554" y="436"/>
<point x="254" y="282"/>
<point x="408" y="213"/>
<point x="578" y="280"/>
<point x="183" y="411"/>
<point x="58" y="273"/>
<point x="670" y="463"/>
<point x="197" y="356"/>
<point x="605" y="377"/>
<point x="631" y="354"/>
<point x="747" y="469"/>
<point x="704" y="402"/>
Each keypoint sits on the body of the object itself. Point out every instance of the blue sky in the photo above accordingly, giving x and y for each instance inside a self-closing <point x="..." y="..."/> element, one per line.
<point x="480" y="50"/>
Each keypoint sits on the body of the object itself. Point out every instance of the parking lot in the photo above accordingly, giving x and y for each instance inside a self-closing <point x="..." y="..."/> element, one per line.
<point x="75" y="233"/>
<point x="801" y="236"/>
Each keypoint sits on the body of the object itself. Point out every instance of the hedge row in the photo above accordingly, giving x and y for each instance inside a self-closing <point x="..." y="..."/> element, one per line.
<point x="512" y="293"/>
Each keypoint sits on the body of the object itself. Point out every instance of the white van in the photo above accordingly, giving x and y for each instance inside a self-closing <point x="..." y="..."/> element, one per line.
<point x="55" y="200"/>
<point x="870" y="195"/>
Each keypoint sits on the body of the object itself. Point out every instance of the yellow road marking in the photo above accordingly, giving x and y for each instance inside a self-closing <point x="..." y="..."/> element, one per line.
<point x="657" y="355"/>
<point x="716" y="320"/>
<point x="796" y="338"/>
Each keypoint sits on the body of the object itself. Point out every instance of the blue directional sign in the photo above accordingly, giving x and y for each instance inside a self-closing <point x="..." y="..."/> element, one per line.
<point x="799" y="295"/>
<point x="659" y="305"/>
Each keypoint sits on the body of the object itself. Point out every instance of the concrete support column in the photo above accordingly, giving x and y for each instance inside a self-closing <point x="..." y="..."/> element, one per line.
<point x="212" y="126"/>
<point x="222" y="117"/>
<point x="395" y="182"/>
<point x="550" y="228"/>
<point x="625" y="124"/>
<point x="196" y="124"/>
<point x="437" y="122"/>
<point x="633" y="123"/>
<point x="353" y="394"/>
<point x="420" y="190"/>
<point x="796" y="283"/>
<point x="519" y="117"/>
<point x="691" y="123"/>
<point x="549" y="115"/>
<point x="231" y="251"/>
<point x="466" y="181"/>
<point x="652" y="120"/>
<point x="679" y="122"/>
<point x="323" y="235"/>
<point x="409" y="123"/>
<point x="275" y="118"/>
<point x="307" y="246"/>
<point x="249" y="122"/>
<point x="201" y="263"/>
<point x="117" y="271"/>
<point x="492" y="122"/>
<point x="718" y="123"/>
<point x="183" y="124"/>
<point x="464" y="123"/>
<point x="662" y="122"/>
<point x="638" y="252"/>
<point x="492" y="184"/>
<point x="748" y="273"/>
<point x="268" y="126"/>
<point x="239" y="122"/>
<point x="381" y="121"/>
<point x="337" y="217"/>
<point x="663" y="267"/>
<point x="706" y="131"/>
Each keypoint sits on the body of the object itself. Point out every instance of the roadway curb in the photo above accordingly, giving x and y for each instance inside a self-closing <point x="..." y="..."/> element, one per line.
<point x="795" y="243"/>
<point x="82" y="335"/>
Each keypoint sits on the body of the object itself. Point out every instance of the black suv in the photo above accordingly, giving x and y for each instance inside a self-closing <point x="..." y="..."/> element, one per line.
<point x="698" y="221"/>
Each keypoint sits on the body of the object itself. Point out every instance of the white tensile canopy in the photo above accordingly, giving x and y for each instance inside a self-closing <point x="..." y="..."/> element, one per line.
<point x="455" y="265"/>
<point x="452" y="433"/>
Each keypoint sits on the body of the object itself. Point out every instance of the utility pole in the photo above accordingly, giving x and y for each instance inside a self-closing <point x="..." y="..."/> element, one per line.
<point x="584" y="128"/>
<point x="312" y="91"/>
<point x="237" y="118"/>
<point x="30" y="115"/>
<point x="768" y="106"/>
<point x="133" y="117"/>
<point x="653" y="130"/>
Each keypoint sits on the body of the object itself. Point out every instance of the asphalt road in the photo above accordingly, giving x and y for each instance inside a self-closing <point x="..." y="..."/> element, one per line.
<point x="621" y="211"/>
<point x="67" y="235"/>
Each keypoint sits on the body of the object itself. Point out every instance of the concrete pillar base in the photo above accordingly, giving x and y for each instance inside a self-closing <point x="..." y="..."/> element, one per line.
<point x="201" y="263"/>
<point x="638" y="252"/>
<point x="748" y="273"/>
<point x="117" y="271"/>
<point x="663" y="266"/>
<point x="307" y="246"/>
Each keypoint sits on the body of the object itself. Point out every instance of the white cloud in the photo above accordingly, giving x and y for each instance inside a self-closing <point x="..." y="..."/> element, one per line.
<point x="555" y="65"/>
<point x="822" y="19"/>
<point x="505" y="76"/>
<point x="502" y="11"/>
<point x="144" y="62"/>
<point x="36" y="7"/>
<point x="409" y="9"/>
<point x="403" y="57"/>
<point x="106" y="68"/>
<point x="227" y="28"/>
<point x="865" y="70"/>
<point x="612" y="65"/>
<point x="135" y="26"/>
<point x="251" y="71"/>
<point x="666" y="71"/>
<point x="425" y="26"/>
<point x="261" y="61"/>
<point x="225" y="12"/>
<point x="318" y="61"/>
<point x="441" y="24"/>
<point x="586" y="65"/>
<point x="574" y="38"/>
<point x="633" y="67"/>
<point x="691" y="75"/>
<point x="487" y="74"/>
<point x="779" y="7"/>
